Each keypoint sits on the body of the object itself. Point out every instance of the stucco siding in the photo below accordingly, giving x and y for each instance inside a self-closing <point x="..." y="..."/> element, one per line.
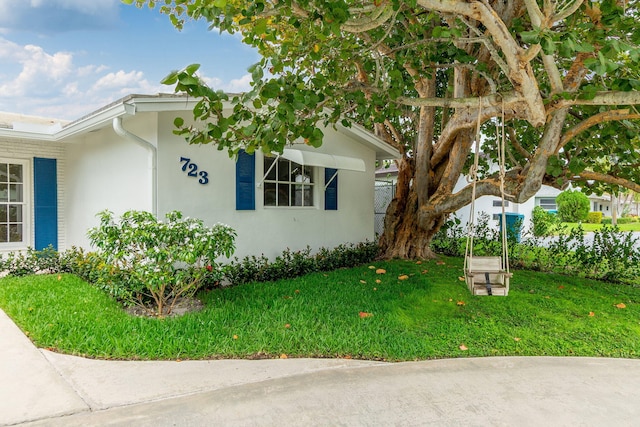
<point x="266" y="230"/>
<point x="105" y="171"/>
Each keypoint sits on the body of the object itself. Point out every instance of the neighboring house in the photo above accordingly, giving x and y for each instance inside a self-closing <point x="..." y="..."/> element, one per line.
<point x="55" y="178"/>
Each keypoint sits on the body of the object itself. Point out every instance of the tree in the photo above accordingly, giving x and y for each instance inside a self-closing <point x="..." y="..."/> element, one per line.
<point x="573" y="206"/>
<point x="558" y="81"/>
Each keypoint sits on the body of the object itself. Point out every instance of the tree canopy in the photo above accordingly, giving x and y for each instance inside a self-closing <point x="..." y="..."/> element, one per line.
<point x="558" y="81"/>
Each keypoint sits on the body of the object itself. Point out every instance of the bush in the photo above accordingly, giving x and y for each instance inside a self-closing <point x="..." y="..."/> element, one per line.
<point x="625" y="220"/>
<point x="607" y="221"/>
<point x="573" y="206"/>
<point x="31" y="262"/>
<point x="594" y="218"/>
<point x="153" y="263"/>
<point x="450" y="239"/>
<point x="544" y="223"/>
<point x="294" y="264"/>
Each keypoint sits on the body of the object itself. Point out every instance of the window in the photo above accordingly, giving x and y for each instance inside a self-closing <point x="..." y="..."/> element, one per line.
<point x="498" y="203"/>
<point x="547" y="203"/>
<point x="287" y="183"/>
<point x="12" y="204"/>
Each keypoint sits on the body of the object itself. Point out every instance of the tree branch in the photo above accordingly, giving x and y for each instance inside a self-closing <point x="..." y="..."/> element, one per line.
<point x="600" y="98"/>
<point x="605" y="116"/>
<point x="601" y="177"/>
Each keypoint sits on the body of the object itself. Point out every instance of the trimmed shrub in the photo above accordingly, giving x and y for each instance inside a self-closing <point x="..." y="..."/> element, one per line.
<point x="573" y="206"/>
<point x="46" y="260"/>
<point x="625" y="220"/>
<point x="298" y="263"/>
<point x="154" y="263"/>
<point x="607" y="220"/>
<point x="544" y="223"/>
<point x="594" y="218"/>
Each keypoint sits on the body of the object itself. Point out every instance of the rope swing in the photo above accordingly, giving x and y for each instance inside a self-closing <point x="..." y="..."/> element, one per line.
<point x="487" y="275"/>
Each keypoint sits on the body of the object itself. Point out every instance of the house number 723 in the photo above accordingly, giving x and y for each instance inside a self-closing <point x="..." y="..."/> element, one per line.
<point x="192" y="170"/>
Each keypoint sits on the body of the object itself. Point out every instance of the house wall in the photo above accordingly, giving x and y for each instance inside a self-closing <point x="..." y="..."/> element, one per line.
<point x="266" y="230"/>
<point x="485" y="204"/>
<point x="106" y="171"/>
<point x="23" y="149"/>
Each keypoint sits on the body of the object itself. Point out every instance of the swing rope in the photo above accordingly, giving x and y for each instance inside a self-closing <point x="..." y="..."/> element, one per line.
<point x="502" y="161"/>
<point x="473" y="178"/>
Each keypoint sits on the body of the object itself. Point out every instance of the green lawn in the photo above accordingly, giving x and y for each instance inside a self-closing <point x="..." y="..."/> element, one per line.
<point x="634" y="226"/>
<point x="345" y="313"/>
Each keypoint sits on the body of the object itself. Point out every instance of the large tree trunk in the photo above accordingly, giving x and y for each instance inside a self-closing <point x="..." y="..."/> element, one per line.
<point x="403" y="237"/>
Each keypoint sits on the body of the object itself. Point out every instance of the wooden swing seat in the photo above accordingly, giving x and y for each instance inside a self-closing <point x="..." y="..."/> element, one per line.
<point x="485" y="276"/>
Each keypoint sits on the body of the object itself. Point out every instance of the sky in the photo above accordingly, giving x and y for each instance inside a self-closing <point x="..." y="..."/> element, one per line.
<point x="64" y="59"/>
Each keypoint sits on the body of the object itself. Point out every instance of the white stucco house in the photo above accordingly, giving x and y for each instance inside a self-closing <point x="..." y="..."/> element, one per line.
<point x="55" y="177"/>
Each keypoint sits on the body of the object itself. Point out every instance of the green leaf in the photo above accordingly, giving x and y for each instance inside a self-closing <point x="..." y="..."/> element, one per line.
<point x="548" y="45"/>
<point x="178" y="122"/>
<point x="576" y="165"/>
<point x="192" y="68"/>
<point x="530" y="37"/>
<point x="170" y="79"/>
<point x="220" y="3"/>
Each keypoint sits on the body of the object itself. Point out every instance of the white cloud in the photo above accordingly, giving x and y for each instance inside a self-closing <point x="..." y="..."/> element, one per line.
<point x="37" y="82"/>
<point x="39" y="71"/>
<point x="234" y="86"/>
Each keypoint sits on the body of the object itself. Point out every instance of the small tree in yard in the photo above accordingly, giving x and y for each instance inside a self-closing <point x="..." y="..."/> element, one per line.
<point x="573" y="206"/>
<point x="160" y="262"/>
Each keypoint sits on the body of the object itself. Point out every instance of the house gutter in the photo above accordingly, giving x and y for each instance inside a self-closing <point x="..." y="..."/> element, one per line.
<point x="122" y="132"/>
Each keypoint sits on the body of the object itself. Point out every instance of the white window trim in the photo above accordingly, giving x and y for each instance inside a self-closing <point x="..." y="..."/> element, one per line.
<point x="313" y="185"/>
<point x="27" y="212"/>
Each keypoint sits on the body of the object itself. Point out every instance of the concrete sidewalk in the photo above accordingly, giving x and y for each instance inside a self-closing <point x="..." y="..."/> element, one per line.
<point x="41" y="388"/>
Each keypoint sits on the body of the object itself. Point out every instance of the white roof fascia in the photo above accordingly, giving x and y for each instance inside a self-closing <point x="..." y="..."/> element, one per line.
<point x="383" y="150"/>
<point x="95" y="121"/>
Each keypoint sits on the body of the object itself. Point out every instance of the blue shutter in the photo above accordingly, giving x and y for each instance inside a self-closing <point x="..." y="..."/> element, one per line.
<point x="45" y="201"/>
<point x="331" y="192"/>
<point x="245" y="181"/>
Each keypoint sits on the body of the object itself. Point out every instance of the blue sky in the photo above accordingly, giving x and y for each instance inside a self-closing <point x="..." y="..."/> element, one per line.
<point x="66" y="58"/>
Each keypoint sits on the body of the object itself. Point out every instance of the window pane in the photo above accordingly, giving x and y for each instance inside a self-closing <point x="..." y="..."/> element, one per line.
<point x="15" y="232"/>
<point x="3" y="173"/>
<point x="15" y="173"/>
<point x="268" y="161"/>
<point x="308" y="173"/>
<point x="4" y="192"/>
<point x="3" y="214"/>
<point x="283" y="170"/>
<point x="269" y="194"/>
<point x="283" y="194"/>
<point x="15" y="213"/>
<point x="3" y="233"/>
<point x="15" y="192"/>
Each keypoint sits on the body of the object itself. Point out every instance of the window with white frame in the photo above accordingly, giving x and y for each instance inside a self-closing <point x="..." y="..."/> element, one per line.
<point x="287" y="183"/>
<point x="547" y="203"/>
<point x="12" y="202"/>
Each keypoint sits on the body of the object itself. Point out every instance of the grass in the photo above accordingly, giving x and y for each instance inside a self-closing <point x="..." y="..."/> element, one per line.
<point x="633" y="226"/>
<point x="341" y="314"/>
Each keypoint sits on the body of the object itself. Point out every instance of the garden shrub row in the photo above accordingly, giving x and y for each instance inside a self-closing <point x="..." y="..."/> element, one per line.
<point x="292" y="264"/>
<point x="610" y="254"/>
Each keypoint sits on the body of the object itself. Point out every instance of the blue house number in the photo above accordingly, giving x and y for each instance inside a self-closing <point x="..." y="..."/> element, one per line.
<point x="191" y="170"/>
